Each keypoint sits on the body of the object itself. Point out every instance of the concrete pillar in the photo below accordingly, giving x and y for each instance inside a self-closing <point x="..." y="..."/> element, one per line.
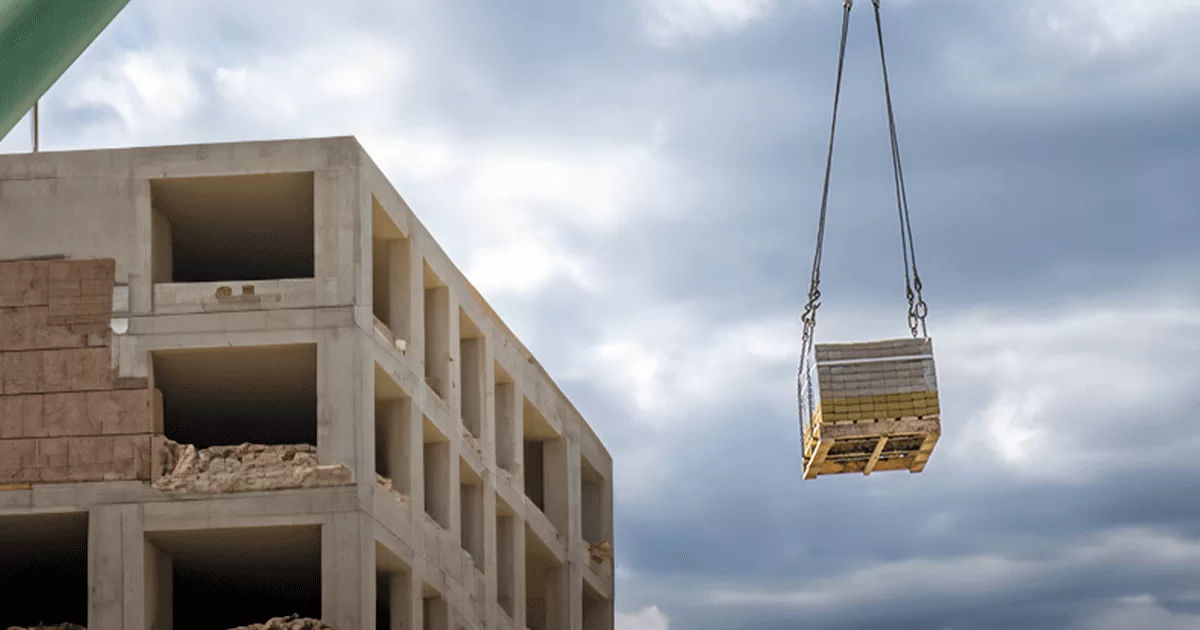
<point x="340" y="401"/>
<point x="161" y="248"/>
<point x="404" y="593"/>
<point x="437" y="613"/>
<point x="338" y="211"/>
<point x="348" y="571"/>
<point x="415" y="307"/>
<point x="441" y="481"/>
<point x="516" y="538"/>
<point x="438" y="348"/>
<point x="399" y="294"/>
<point x="509" y="405"/>
<point x="415" y="450"/>
<point x="116" y="568"/>
<point x="488" y="438"/>
<point x="159" y="589"/>
<point x="473" y="385"/>
<point x="489" y="562"/>
<point x="564" y="597"/>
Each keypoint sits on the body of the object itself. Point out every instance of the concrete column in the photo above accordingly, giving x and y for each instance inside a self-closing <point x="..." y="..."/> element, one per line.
<point x="437" y="613"/>
<point x="488" y="438"/>
<point x="116" y="568"/>
<point x="441" y="484"/>
<point x="598" y="615"/>
<point x="516" y="537"/>
<point x="415" y="307"/>
<point x="490" y="552"/>
<point x="415" y="449"/>
<point x="348" y="571"/>
<point x="399" y="295"/>
<point x="400" y="453"/>
<point x="340" y="401"/>
<point x="473" y="386"/>
<point x="405" y="599"/>
<point x="560" y="485"/>
<point x="162" y="267"/>
<point x="159" y="589"/>
<point x="338" y="212"/>
<point x="509" y="405"/>
<point x="564" y="596"/>
<point x="438" y="349"/>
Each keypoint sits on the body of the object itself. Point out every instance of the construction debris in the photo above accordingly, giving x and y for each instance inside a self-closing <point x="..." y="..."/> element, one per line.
<point x="600" y="552"/>
<point x="244" y="468"/>
<point x="386" y="484"/>
<point x="61" y="626"/>
<point x="292" y="622"/>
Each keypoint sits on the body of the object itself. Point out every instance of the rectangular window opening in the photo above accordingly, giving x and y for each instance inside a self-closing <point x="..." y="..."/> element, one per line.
<point x="232" y="227"/>
<point x="393" y="433"/>
<point x="391" y="277"/>
<point x="254" y="573"/>
<point x="536" y="432"/>
<point x="509" y="418"/>
<point x="437" y="333"/>
<point x="471" y="374"/>
<point x="44" y="569"/>
<point x="592" y="510"/>
<point x="243" y="394"/>
<point x="471" y="513"/>
<point x="506" y="524"/>
<point x="437" y="474"/>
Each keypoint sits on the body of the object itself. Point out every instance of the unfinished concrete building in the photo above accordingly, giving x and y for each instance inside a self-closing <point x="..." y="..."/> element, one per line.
<point x="241" y="381"/>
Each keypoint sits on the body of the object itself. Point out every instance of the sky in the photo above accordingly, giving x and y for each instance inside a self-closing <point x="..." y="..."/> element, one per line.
<point x="634" y="185"/>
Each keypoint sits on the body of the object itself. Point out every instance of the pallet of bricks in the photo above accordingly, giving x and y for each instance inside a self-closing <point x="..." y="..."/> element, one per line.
<point x="874" y="407"/>
<point x="63" y="415"/>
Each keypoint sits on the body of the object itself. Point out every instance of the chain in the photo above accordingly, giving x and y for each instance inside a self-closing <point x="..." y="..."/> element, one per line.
<point x="917" y="308"/>
<point x="814" y="293"/>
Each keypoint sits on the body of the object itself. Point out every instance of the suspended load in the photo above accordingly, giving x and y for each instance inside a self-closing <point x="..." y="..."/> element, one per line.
<point x="873" y="405"/>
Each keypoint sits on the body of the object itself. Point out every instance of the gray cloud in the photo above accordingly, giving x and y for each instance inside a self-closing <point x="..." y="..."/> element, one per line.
<point x="1054" y="209"/>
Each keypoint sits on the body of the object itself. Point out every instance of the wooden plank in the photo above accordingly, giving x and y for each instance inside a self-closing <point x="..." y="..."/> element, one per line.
<point x="879" y="444"/>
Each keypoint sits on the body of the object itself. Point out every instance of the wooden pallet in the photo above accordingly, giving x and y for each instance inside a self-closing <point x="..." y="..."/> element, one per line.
<point x="867" y="446"/>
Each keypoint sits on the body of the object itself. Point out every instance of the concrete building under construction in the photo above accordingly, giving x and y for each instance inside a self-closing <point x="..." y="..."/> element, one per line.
<point x="241" y="381"/>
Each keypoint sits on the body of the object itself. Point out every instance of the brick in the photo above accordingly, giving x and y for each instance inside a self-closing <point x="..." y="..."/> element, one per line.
<point x="80" y="311"/>
<point x="104" y="414"/>
<point x="21" y="372"/>
<point x="63" y="290"/>
<point x="67" y="414"/>
<point x="18" y="454"/>
<point x="52" y="453"/>
<point x="98" y="269"/>
<point x="102" y="289"/>
<point x="23" y="283"/>
<point x="52" y="473"/>
<point x="12" y="417"/>
<point x="134" y="410"/>
<point x="30" y="409"/>
<point x="94" y="369"/>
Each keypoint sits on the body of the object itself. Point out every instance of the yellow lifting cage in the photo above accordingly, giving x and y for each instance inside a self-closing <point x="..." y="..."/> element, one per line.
<point x="874" y="407"/>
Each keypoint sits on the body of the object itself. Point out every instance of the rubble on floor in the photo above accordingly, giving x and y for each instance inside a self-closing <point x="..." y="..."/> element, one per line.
<point x="293" y="622"/>
<point x="386" y="483"/>
<point x="60" y="626"/>
<point x="244" y="468"/>
<point x="600" y="551"/>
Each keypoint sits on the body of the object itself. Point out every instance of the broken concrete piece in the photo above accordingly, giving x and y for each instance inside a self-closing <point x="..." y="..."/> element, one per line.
<point x="292" y="622"/>
<point x="386" y="484"/>
<point x="600" y="552"/>
<point x="244" y="468"/>
<point x="61" y="626"/>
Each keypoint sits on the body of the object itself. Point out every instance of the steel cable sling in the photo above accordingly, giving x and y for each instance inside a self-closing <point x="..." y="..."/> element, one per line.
<point x="917" y="308"/>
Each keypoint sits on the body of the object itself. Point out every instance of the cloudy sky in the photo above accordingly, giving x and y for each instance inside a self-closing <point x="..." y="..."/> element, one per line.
<point x="634" y="185"/>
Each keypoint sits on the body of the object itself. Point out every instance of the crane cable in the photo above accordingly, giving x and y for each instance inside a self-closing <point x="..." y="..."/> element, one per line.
<point x="917" y="308"/>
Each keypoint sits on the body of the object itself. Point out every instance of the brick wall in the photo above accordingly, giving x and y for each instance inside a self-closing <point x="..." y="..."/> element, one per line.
<point x="63" y="415"/>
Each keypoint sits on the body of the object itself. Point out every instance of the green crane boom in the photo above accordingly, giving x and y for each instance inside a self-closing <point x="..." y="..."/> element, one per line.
<point x="39" y="40"/>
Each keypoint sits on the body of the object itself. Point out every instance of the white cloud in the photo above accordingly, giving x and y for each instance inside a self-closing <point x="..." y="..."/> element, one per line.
<point x="668" y="21"/>
<point x="650" y="618"/>
<point x="150" y="91"/>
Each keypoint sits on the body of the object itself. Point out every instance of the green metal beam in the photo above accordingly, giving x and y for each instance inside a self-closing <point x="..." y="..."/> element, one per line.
<point x="39" y="40"/>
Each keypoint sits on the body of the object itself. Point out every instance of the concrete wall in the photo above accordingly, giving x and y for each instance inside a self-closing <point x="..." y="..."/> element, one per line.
<point x="372" y="381"/>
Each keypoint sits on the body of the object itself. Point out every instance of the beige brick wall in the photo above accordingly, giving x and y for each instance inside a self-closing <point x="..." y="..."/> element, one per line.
<point x="63" y="417"/>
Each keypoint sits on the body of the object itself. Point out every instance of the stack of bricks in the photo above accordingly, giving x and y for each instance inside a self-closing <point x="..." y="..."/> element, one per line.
<point x="63" y="415"/>
<point x="879" y="380"/>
